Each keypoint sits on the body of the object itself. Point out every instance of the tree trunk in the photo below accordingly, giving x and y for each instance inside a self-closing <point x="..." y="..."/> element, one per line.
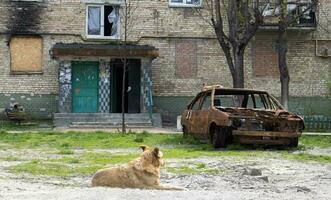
<point x="123" y="95"/>
<point x="124" y="65"/>
<point x="238" y="55"/>
<point x="227" y="51"/>
<point x="283" y="70"/>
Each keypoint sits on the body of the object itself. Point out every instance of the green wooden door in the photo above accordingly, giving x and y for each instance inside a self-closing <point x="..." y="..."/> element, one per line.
<point x="85" y="78"/>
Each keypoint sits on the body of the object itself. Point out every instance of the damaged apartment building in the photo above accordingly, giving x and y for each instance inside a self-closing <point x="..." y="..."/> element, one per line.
<point x="62" y="59"/>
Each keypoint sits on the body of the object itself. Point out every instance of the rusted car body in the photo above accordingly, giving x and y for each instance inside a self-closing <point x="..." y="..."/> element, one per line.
<point x="227" y="115"/>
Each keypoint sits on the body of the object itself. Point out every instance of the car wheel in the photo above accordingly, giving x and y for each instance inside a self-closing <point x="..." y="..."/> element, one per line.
<point x="219" y="138"/>
<point x="185" y="133"/>
<point x="294" y="142"/>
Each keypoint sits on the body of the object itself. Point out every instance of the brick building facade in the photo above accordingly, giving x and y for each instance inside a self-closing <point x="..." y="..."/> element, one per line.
<point x="188" y="55"/>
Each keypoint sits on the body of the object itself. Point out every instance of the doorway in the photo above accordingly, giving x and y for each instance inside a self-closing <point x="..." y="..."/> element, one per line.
<point x="85" y="77"/>
<point x="132" y="86"/>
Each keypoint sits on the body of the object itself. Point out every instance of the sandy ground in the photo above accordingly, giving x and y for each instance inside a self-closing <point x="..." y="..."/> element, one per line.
<point x="237" y="178"/>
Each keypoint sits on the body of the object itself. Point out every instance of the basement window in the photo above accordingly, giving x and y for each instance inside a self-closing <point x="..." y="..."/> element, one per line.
<point x="185" y="3"/>
<point x="26" y="54"/>
<point x="102" y="21"/>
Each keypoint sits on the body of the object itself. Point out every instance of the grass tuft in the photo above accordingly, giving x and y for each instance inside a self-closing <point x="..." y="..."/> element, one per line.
<point x="308" y="157"/>
<point x="10" y="158"/>
<point x="322" y="141"/>
<point x="66" y="152"/>
<point x="193" y="169"/>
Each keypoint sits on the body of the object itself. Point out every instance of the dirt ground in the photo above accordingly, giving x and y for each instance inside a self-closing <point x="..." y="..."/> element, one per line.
<point x="236" y="178"/>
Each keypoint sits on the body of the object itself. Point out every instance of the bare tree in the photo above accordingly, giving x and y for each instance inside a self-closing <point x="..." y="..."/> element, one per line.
<point x="243" y="20"/>
<point x="128" y="10"/>
<point x="125" y="63"/>
<point x="287" y="18"/>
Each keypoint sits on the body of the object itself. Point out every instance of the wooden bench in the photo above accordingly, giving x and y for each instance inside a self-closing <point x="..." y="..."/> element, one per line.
<point x="17" y="114"/>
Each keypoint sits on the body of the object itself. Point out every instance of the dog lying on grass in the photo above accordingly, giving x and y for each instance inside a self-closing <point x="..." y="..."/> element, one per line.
<point x="143" y="172"/>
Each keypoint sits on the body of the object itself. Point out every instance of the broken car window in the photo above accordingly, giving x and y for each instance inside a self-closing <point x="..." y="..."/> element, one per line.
<point x="249" y="100"/>
<point x="260" y="104"/>
<point x="206" y="102"/>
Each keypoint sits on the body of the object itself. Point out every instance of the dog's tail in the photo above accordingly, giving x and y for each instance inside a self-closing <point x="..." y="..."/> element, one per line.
<point x="169" y="187"/>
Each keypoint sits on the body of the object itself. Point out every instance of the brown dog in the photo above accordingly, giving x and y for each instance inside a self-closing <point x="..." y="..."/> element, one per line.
<point x="143" y="172"/>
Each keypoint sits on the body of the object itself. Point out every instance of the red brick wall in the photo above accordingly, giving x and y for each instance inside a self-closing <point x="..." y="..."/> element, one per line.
<point x="186" y="59"/>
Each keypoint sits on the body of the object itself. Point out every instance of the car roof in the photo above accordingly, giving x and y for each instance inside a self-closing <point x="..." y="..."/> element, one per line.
<point x="220" y="89"/>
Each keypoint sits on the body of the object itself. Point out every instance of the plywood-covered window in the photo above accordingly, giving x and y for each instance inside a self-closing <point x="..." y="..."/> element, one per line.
<point x="265" y="57"/>
<point x="186" y="59"/>
<point x="26" y="54"/>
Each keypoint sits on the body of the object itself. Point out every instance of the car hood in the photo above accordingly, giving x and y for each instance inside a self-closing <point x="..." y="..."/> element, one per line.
<point x="274" y="120"/>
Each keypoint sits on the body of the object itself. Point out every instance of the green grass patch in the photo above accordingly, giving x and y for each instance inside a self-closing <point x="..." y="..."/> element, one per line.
<point x="26" y="125"/>
<point x="66" y="151"/>
<point x="10" y="158"/>
<point x="42" y="168"/>
<point x="66" y="159"/>
<point x="308" y="157"/>
<point x="106" y="158"/>
<point x="315" y="141"/>
<point x="11" y="126"/>
<point x="91" y="140"/>
<point x="201" y="152"/>
<point x="47" y="168"/>
<point x="70" y="166"/>
<point x="198" y="168"/>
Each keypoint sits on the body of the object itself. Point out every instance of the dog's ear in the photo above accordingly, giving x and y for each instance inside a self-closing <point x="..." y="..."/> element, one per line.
<point x="143" y="147"/>
<point x="157" y="152"/>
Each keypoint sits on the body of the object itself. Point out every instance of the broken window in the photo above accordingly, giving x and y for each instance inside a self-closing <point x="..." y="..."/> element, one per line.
<point x="301" y="8"/>
<point x="102" y="21"/>
<point x="26" y="54"/>
<point x="185" y="3"/>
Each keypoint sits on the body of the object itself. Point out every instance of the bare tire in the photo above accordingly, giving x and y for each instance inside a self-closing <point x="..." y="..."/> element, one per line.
<point x="219" y="137"/>
<point x="294" y="142"/>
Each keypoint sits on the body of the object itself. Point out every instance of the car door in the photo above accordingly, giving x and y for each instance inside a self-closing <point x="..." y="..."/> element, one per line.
<point x="201" y="117"/>
<point x="191" y="114"/>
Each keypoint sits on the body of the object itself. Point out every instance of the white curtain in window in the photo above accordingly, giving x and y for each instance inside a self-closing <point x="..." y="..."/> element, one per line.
<point x="94" y="15"/>
<point x="113" y="18"/>
<point x="195" y="2"/>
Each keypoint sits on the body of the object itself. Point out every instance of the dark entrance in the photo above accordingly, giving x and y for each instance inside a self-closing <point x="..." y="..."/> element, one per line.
<point x="132" y="86"/>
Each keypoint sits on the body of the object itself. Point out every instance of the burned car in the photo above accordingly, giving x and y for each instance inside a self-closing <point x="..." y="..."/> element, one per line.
<point x="226" y="115"/>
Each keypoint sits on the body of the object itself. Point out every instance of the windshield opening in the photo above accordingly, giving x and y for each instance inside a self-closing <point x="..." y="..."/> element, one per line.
<point x="247" y="100"/>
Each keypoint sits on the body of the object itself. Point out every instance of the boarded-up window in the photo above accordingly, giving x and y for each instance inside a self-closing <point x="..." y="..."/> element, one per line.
<point x="265" y="58"/>
<point x="26" y="54"/>
<point x="186" y="59"/>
